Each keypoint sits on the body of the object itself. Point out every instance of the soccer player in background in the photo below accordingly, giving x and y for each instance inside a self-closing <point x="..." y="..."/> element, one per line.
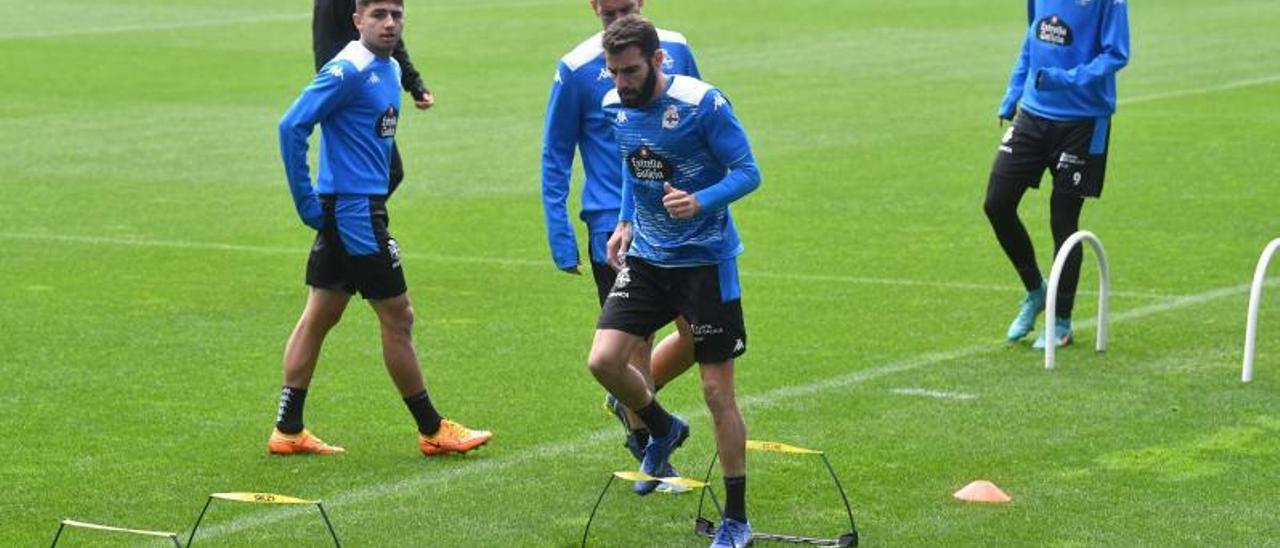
<point x="575" y="120"/>
<point x="331" y="31"/>
<point x="685" y="158"/>
<point x="1060" y="100"/>
<point x="356" y="99"/>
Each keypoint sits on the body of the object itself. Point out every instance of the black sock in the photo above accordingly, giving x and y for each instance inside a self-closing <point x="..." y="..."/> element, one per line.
<point x="289" y="414"/>
<point x="735" y="505"/>
<point x="656" y="418"/>
<point x="425" y="413"/>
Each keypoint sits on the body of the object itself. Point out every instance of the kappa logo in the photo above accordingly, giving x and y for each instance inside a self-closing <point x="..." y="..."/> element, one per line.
<point x="672" y="118"/>
<point x="621" y="118"/>
<point x="556" y="78"/>
<point x="739" y="346"/>
<point x="668" y="62"/>
<point x="336" y="72"/>
<point x="719" y="101"/>
<point x="373" y="79"/>
<point x="1054" y="30"/>
<point x="605" y="74"/>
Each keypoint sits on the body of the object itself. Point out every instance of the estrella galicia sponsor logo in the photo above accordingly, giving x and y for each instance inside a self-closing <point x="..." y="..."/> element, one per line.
<point x="1068" y="161"/>
<point x="647" y="165"/>
<point x="387" y="123"/>
<point x="1054" y="30"/>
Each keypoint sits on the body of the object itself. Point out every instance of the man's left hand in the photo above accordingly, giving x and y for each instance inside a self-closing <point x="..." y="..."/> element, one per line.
<point x="425" y="102"/>
<point x="680" y="204"/>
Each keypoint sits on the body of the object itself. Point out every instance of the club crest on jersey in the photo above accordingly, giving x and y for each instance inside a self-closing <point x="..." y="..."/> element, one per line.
<point x="672" y="118"/>
<point x="387" y="123"/>
<point x="1054" y="30"/>
<point x="646" y="165"/>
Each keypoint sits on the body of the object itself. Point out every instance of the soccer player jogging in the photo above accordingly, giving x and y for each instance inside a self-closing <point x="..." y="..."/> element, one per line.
<point x="575" y="120"/>
<point x="331" y="31"/>
<point x="684" y="159"/>
<point x="356" y="98"/>
<point x="1060" y="99"/>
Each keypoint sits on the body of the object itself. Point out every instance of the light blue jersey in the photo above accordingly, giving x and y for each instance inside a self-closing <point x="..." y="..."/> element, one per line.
<point x="689" y="138"/>
<point x="1069" y="59"/>
<point x="575" y="121"/>
<point x="356" y="100"/>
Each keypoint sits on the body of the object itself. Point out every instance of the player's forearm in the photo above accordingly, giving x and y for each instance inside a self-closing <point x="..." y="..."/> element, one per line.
<point x="410" y="79"/>
<point x="1017" y="81"/>
<point x="560" y="237"/>
<point x="742" y="179"/>
<point x="293" y="152"/>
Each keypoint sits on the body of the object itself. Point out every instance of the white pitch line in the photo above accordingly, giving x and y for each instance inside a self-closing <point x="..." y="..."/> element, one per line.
<point x="935" y="394"/>
<point x="771" y="398"/>
<point x="1200" y="91"/>
<point x="273" y="250"/>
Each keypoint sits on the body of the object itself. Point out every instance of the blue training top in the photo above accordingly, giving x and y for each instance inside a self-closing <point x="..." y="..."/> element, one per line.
<point x="356" y="99"/>
<point x="574" y="120"/>
<point x="689" y="138"/>
<point x="1069" y="59"/>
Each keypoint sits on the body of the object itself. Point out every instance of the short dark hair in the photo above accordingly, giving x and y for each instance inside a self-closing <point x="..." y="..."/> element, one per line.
<point x="631" y="30"/>
<point x="362" y="4"/>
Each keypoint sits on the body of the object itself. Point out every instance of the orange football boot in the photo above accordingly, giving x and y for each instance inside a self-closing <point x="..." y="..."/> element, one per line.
<point x="303" y="443"/>
<point x="452" y="438"/>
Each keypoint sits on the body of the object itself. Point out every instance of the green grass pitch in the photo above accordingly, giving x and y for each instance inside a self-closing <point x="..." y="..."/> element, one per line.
<point x="151" y="268"/>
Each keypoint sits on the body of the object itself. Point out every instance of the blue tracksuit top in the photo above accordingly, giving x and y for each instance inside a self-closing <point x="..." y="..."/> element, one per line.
<point x="356" y="100"/>
<point x="574" y="120"/>
<point x="1069" y="59"/>
<point x="688" y="138"/>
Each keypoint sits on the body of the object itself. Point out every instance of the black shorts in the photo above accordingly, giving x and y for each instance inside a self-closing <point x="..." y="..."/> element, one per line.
<point x="1074" y="152"/>
<point x="646" y="297"/>
<point x="354" y="252"/>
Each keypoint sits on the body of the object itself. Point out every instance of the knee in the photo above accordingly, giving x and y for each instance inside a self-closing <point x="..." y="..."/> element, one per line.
<point x="718" y="394"/>
<point x="321" y="320"/>
<point x="996" y="208"/>
<point x="603" y="361"/>
<point x="399" y="321"/>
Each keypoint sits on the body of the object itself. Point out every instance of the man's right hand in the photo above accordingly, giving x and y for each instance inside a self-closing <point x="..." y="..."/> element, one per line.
<point x="618" y="245"/>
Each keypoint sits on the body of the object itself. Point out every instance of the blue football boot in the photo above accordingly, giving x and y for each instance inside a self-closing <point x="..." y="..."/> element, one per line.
<point x="1061" y="334"/>
<point x="732" y="534"/>
<point x="657" y="453"/>
<point x="1025" y="321"/>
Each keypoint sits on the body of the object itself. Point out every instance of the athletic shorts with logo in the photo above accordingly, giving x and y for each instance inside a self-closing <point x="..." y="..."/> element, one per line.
<point x="646" y="297"/>
<point x="354" y="252"/>
<point x="1074" y="152"/>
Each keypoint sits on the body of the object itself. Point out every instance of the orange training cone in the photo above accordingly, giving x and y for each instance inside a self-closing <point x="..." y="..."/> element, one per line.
<point x="982" y="491"/>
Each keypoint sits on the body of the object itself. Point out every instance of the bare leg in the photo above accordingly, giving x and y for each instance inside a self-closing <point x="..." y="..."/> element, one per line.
<point x="731" y="430"/>
<point x="395" y="316"/>
<point x="608" y="363"/>
<point x="324" y="309"/>
<point x="673" y="355"/>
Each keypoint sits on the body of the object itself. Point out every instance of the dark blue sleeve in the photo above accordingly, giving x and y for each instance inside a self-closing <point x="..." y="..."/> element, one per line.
<point x="327" y="92"/>
<point x="729" y="144"/>
<point x="1114" y="54"/>
<point x="559" y="141"/>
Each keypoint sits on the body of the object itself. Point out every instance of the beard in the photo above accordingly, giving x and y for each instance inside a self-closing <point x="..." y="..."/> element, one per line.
<point x="646" y="91"/>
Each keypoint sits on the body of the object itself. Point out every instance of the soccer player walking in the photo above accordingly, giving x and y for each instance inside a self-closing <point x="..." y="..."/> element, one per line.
<point x="356" y="98"/>
<point x="1060" y="100"/>
<point x="332" y="30"/>
<point x="685" y="158"/>
<point x="575" y="120"/>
